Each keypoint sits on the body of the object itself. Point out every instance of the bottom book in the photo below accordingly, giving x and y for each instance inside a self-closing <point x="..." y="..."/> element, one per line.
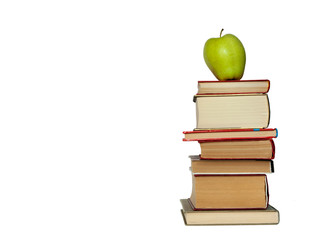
<point x="228" y="217"/>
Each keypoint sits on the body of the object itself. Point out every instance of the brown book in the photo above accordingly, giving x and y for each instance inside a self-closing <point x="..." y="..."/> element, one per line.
<point x="270" y="215"/>
<point x="232" y="111"/>
<point x="237" y="149"/>
<point x="211" y="192"/>
<point x="230" y="166"/>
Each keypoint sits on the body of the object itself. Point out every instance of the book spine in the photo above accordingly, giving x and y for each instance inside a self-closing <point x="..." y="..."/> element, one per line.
<point x="273" y="149"/>
<point x="267" y="191"/>
<point x="272" y="167"/>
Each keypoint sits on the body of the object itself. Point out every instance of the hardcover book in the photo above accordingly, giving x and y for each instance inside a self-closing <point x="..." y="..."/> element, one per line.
<point x="238" y="149"/>
<point x="229" y="134"/>
<point x="270" y="215"/>
<point x="233" y="87"/>
<point x="233" y="111"/>
<point x="210" y="166"/>
<point x="211" y="192"/>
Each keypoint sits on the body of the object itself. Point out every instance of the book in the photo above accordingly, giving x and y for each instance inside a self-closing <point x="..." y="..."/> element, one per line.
<point x="211" y="166"/>
<point x="233" y="87"/>
<point x="210" y="192"/>
<point x="229" y="176"/>
<point x="270" y="215"/>
<point x="238" y="149"/>
<point x="232" y="111"/>
<point x="227" y="134"/>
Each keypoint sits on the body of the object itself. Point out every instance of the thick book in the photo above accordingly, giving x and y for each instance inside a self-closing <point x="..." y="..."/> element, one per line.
<point x="205" y="166"/>
<point x="227" y="134"/>
<point x="238" y="149"/>
<point x="270" y="215"/>
<point x="233" y="87"/>
<point x="222" y="191"/>
<point x="233" y="111"/>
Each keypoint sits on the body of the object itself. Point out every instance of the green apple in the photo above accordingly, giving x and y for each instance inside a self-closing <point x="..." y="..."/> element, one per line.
<point x="225" y="57"/>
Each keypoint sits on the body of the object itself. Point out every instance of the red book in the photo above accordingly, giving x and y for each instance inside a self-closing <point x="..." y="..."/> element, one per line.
<point x="230" y="134"/>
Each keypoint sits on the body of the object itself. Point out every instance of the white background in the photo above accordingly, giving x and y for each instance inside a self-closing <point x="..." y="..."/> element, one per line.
<point x="94" y="96"/>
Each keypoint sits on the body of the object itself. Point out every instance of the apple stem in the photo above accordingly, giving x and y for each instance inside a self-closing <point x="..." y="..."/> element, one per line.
<point x="221" y="32"/>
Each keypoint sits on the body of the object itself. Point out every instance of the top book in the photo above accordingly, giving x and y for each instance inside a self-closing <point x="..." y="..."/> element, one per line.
<point x="233" y="87"/>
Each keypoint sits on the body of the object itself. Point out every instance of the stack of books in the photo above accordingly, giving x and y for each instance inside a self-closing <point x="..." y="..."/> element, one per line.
<point x="229" y="176"/>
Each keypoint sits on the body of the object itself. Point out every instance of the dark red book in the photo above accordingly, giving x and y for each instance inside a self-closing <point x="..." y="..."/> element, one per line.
<point x="229" y="134"/>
